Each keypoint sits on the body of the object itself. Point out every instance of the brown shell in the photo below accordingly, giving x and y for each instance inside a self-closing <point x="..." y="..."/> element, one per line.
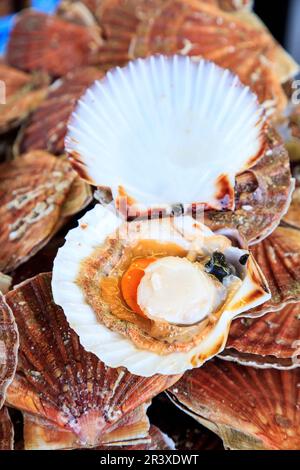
<point x="60" y="383"/>
<point x="278" y="256"/>
<point x="262" y="195"/>
<point x="6" y="431"/>
<point x="269" y="341"/>
<point x="33" y="189"/>
<point x="23" y="93"/>
<point x="9" y="342"/>
<point x="191" y="27"/>
<point x="248" y="408"/>
<point x="45" y="436"/>
<point x="292" y="217"/>
<point x="46" y="127"/>
<point x="48" y="43"/>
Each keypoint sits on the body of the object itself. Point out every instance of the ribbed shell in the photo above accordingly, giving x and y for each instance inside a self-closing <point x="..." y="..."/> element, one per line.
<point x="46" y="128"/>
<point x="262" y="194"/>
<point x="269" y="341"/>
<point x="22" y="94"/>
<point x="48" y="43"/>
<point x="41" y="436"/>
<point x="279" y="258"/>
<point x="6" y="431"/>
<point x="248" y="408"/>
<point x="194" y="28"/>
<point x="9" y="342"/>
<point x="33" y="189"/>
<point x="59" y="382"/>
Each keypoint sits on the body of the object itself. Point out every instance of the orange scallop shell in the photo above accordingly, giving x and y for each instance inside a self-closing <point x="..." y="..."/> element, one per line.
<point x="46" y="127"/>
<point x="62" y="386"/>
<point x="190" y="27"/>
<point x="48" y="43"/>
<point x="262" y="194"/>
<point x="23" y="93"/>
<point x="33" y="191"/>
<point x="272" y="340"/>
<point x="41" y="436"/>
<point x="6" y="431"/>
<point x="279" y="258"/>
<point x="248" y="408"/>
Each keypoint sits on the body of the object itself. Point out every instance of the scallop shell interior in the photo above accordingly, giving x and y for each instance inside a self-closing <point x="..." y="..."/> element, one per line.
<point x="166" y="131"/>
<point x="116" y="349"/>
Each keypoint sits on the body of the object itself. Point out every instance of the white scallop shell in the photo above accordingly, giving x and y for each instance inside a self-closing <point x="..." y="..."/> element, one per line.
<point x="112" y="348"/>
<point x="166" y="129"/>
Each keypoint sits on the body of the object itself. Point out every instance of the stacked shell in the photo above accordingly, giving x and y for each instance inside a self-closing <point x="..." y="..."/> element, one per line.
<point x="183" y="261"/>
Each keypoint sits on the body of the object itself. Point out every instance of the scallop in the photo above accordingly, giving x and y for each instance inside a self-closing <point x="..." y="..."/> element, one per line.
<point x="270" y="341"/>
<point x="38" y="195"/>
<point x="33" y="44"/>
<point x="158" y="148"/>
<point x="249" y="408"/>
<point x="98" y="271"/>
<point x="68" y="397"/>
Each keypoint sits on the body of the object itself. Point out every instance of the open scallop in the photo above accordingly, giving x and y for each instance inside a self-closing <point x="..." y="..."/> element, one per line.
<point x="164" y="131"/>
<point x="154" y="296"/>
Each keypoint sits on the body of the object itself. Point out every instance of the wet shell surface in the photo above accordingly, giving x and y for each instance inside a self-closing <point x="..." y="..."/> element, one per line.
<point x="6" y="431"/>
<point x="33" y="190"/>
<point x="22" y="94"/>
<point x="9" y="342"/>
<point x="250" y="409"/>
<point x="279" y="258"/>
<point x="48" y="43"/>
<point x="93" y="250"/>
<point x="47" y="127"/>
<point x="61" y="386"/>
<point x="180" y="133"/>
<point x="272" y="340"/>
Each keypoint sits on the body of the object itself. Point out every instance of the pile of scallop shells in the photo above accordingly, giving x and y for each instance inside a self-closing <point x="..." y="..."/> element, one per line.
<point x="53" y="393"/>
